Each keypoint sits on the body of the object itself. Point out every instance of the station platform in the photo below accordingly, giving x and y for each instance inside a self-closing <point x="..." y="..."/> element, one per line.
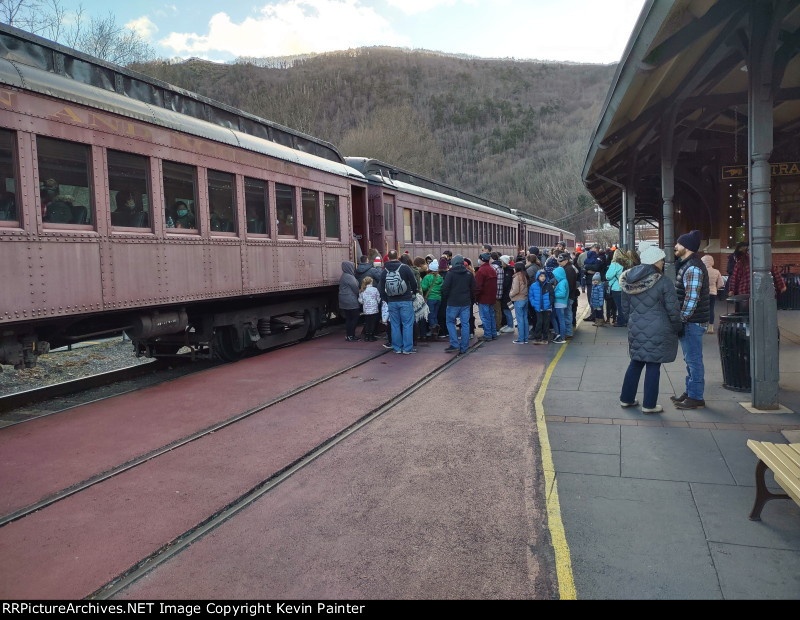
<point x="656" y="506"/>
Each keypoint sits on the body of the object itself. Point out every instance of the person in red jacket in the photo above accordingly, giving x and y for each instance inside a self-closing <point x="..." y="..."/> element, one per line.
<point x="740" y="280"/>
<point x="486" y="295"/>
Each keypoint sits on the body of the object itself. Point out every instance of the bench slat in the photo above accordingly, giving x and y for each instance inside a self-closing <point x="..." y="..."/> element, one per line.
<point x="784" y="461"/>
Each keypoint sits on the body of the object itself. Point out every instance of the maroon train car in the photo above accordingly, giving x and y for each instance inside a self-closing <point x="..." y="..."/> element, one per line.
<point x="123" y="211"/>
<point x="421" y="216"/>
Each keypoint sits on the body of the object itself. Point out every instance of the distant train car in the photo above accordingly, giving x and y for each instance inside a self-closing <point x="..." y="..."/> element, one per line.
<point x="543" y="234"/>
<point x="421" y="216"/>
<point x="122" y="212"/>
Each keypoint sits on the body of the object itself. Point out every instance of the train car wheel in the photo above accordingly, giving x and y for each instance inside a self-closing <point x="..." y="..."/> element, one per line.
<point x="228" y="345"/>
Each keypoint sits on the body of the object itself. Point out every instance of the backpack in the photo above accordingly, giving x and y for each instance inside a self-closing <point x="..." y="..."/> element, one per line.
<point x="395" y="284"/>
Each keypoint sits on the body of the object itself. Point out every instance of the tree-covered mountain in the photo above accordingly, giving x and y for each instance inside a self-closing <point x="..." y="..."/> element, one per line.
<point x="513" y="131"/>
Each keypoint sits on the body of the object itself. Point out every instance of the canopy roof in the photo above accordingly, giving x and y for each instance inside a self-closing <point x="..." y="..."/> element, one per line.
<point x="685" y="67"/>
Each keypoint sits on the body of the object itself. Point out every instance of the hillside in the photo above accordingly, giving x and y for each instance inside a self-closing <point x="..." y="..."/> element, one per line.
<point x="516" y="132"/>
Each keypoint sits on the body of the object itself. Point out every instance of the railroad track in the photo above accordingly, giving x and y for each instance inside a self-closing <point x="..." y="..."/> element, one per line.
<point x="257" y="491"/>
<point x="178" y="544"/>
<point x="34" y="396"/>
<point x="65" y="388"/>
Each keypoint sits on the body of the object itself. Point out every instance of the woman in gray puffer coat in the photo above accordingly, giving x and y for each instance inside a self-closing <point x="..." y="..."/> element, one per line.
<point x="348" y="300"/>
<point x="650" y="302"/>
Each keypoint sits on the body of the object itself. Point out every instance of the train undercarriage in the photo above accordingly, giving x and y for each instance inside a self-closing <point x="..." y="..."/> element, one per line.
<point x="221" y="329"/>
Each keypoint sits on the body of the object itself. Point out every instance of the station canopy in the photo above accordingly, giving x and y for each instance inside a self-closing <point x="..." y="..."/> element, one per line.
<point x="685" y="71"/>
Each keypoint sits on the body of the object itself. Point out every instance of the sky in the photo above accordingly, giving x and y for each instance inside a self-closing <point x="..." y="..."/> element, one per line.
<point x="593" y="31"/>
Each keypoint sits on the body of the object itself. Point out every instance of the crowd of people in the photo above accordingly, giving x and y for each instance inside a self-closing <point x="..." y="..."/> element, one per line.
<point x="433" y="299"/>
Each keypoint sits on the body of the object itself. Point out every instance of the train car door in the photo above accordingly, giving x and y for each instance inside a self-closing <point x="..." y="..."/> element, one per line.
<point x="361" y="234"/>
<point x="389" y="223"/>
<point x="376" y="219"/>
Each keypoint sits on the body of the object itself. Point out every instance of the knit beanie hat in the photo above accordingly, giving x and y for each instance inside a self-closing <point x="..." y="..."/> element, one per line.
<point x="433" y="265"/>
<point x="596" y="277"/>
<point x="691" y="240"/>
<point x="458" y="260"/>
<point x="485" y="257"/>
<point x="377" y="262"/>
<point x="651" y="255"/>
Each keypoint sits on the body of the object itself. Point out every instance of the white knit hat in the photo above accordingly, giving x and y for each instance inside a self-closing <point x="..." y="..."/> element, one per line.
<point x="651" y="254"/>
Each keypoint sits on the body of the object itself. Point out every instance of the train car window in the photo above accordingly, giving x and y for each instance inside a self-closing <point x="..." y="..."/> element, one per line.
<point x="459" y="238"/>
<point x="428" y="226"/>
<point x="284" y="202"/>
<point x="222" y="201"/>
<point x="8" y="179"/>
<point x="445" y="229"/>
<point x="256" y="204"/>
<point x="64" y="189"/>
<point x="418" y="234"/>
<point x="128" y="184"/>
<point x="388" y="217"/>
<point x="332" y="228"/>
<point x="452" y="229"/>
<point x="310" y="201"/>
<point x="407" y="225"/>
<point x="436" y="229"/>
<point x="180" y="196"/>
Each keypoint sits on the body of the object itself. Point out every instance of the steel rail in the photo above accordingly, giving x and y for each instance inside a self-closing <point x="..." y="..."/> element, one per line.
<point x="38" y="395"/>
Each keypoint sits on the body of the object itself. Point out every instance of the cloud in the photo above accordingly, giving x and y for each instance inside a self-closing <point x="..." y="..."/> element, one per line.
<point x="167" y="10"/>
<point x="290" y="27"/>
<point x="412" y="7"/>
<point x="143" y="26"/>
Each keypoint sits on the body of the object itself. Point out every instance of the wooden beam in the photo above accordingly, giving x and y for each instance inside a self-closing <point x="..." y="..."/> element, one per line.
<point x="695" y="29"/>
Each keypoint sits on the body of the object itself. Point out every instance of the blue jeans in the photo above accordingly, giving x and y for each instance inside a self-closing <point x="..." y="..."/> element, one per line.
<point x="401" y="316"/>
<point x="692" y="347"/>
<point x="433" y="307"/>
<point x="621" y="318"/>
<point x="567" y="319"/>
<point x="631" y="383"/>
<point x="452" y="313"/>
<point x="486" y="312"/>
<point x="521" y="310"/>
<point x="509" y="317"/>
<point x="557" y="318"/>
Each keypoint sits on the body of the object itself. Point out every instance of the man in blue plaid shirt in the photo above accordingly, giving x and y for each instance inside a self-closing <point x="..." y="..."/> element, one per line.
<point x="691" y="283"/>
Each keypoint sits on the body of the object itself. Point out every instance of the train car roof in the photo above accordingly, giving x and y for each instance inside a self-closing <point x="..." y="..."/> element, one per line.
<point x="32" y="63"/>
<point x="381" y="173"/>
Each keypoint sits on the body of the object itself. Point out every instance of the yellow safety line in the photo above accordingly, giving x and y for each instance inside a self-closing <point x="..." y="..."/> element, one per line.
<point x="566" y="581"/>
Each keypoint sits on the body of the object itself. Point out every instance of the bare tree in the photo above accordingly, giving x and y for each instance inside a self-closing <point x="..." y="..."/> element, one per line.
<point x="106" y="39"/>
<point x="101" y="36"/>
<point x="399" y="136"/>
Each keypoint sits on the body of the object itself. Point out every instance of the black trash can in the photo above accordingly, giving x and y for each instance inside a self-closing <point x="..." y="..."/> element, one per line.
<point x="790" y="298"/>
<point x="733" y="336"/>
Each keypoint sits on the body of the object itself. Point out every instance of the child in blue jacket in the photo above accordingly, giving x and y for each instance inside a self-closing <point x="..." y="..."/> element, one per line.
<point x="598" y="295"/>
<point x="542" y="298"/>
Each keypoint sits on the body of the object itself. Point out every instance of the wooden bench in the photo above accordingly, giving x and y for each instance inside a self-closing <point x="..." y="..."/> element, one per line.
<point x="784" y="461"/>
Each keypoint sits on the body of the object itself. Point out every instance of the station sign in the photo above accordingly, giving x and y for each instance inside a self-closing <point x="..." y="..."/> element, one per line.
<point x="783" y="169"/>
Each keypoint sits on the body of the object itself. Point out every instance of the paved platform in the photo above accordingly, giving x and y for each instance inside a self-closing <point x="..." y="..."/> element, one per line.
<point x="656" y="506"/>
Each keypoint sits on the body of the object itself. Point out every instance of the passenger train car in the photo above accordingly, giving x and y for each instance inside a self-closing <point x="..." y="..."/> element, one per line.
<point x="420" y="216"/>
<point x="128" y="203"/>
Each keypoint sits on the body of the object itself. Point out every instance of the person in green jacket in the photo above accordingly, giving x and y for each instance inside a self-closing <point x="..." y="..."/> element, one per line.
<point x="432" y="292"/>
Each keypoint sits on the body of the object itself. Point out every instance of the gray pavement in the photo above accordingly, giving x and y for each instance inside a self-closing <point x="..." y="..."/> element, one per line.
<point x="656" y="506"/>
